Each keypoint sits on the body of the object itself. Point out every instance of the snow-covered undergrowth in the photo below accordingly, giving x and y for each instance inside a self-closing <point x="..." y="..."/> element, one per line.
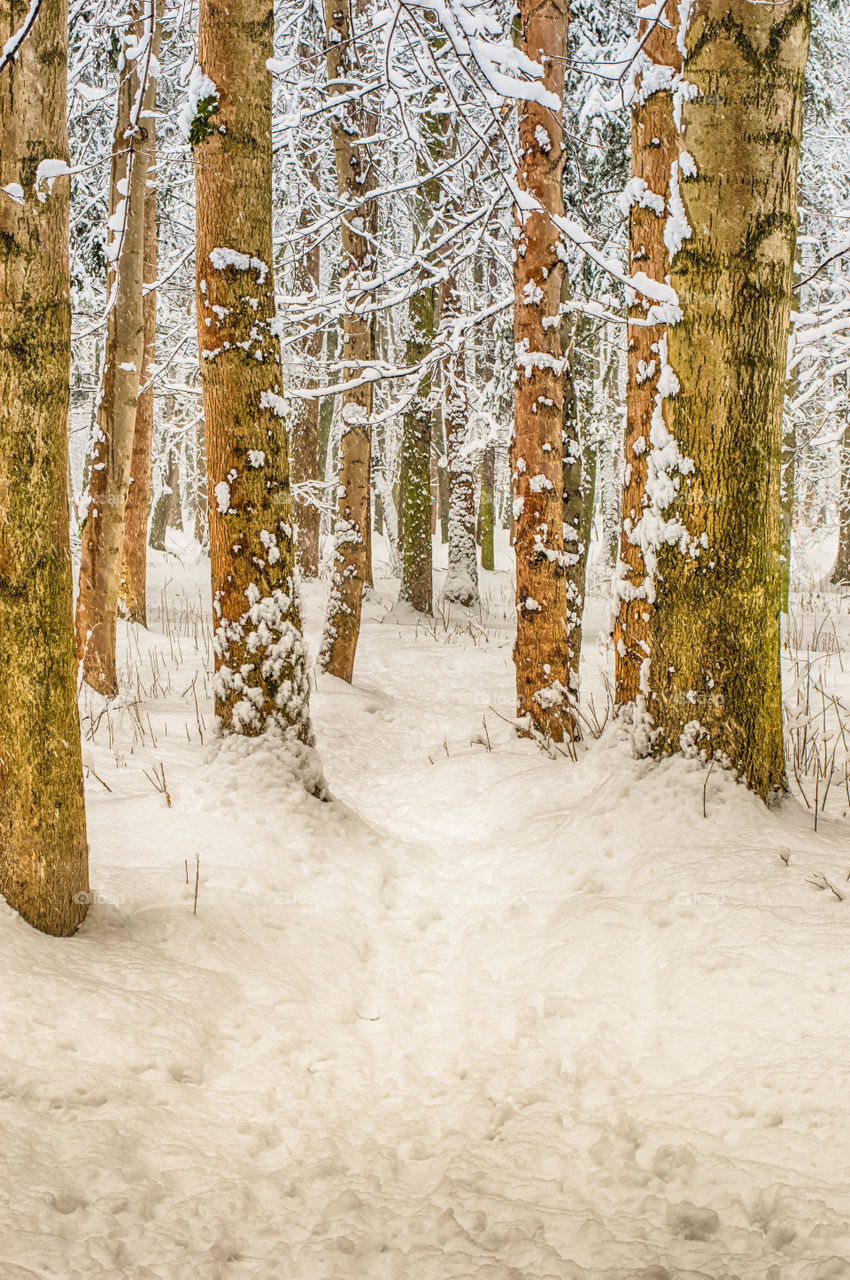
<point x="484" y="1015"/>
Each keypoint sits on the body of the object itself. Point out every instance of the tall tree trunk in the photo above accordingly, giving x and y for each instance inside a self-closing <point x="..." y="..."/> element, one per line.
<point x="715" y="644"/>
<point x="43" y="852"/>
<point x="461" y="585"/>
<point x="305" y="413"/>
<point x="355" y="179"/>
<point x="541" y="652"/>
<point x="261" y="676"/>
<point x="654" y="155"/>
<point x="133" y="587"/>
<point x="415" y="479"/>
<point x="487" y="506"/>
<point x="112" y="449"/>
<point x="841" y="568"/>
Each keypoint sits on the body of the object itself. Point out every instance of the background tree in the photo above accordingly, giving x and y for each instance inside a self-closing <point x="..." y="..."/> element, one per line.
<point x="112" y="441"/>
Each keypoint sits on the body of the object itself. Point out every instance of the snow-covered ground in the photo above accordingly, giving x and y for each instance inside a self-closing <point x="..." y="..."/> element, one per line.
<point x="484" y="1015"/>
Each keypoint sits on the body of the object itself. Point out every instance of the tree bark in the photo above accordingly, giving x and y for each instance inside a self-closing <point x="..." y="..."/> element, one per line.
<point x="305" y="413"/>
<point x="261" y="676"/>
<point x="133" y="587"/>
<point x="461" y="585"/>
<point x="112" y="449"/>
<point x="841" y="568"/>
<point x="541" y="652"/>
<point x="654" y="152"/>
<point x="355" y="179"/>
<point x="43" y="851"/>
<point x="487" y="506"/>
<point x="715" y="642"/>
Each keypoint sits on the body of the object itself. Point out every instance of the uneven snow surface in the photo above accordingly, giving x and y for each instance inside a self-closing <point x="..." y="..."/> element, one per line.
<point x="483" y="1016"/>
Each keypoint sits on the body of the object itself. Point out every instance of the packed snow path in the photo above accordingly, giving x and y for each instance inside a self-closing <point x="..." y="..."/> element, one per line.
<point x="485" y="1015"/>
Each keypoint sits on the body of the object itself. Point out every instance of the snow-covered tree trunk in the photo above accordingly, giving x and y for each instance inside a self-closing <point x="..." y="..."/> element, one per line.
<point x="714" y="468"/>
<point x="541" y="653"/>
<point x="133" y="588"/>
<point x="112" y="446"/>
<point x="260" y="660"/>
<point x="43" y="851"/>
<point x="461" y="585"/>
<point x="654" y="155"/>
<point x="305" y="413"/>
<point x="350" y="123"/>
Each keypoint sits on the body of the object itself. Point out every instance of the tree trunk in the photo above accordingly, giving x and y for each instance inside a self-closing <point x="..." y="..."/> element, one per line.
<point x="841" y="568"/>
<point x="654" y="152"/>
<point x="43" y="851"/>
<point x="355" y="179"/>
<point x="541" y="652"/>
<point x="305" y="413"/>
<point x="461" y="585"/>
<point x="112" y="449"/>
<point x="133" y="588"/>
<point x="260" y="660"/>
<point x="487" y="506"/>
<point x="715" y="644"/>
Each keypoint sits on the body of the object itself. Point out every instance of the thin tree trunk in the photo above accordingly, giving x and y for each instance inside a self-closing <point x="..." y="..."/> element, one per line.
<point x="461" y="585"/>
<point x="261" y="677"/>
<point x="43" y="851"/>
<point x="541" y="653"/>
<point x="133" y="588"/>
<point x="841" y="568"/>
<point x="305" y="413"/>
<point x="654" y="152"/>
<point x="487" y="506"/>
<point x="355" y="179"/>
<point x="109" y="478"/>
<point x="715" y="643"/>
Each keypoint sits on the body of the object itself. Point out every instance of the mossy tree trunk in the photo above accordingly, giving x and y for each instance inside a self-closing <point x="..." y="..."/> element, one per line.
<point x="654" y="154"/>
<point x="715" y="644"/>
<point x="461" y="584"/>
<point x="112" y="447"/>
<point x="351" y="122"/>
<point x="260" y="660"/>
<point x="43" y="852"/>
<point x="541" y="653"/>
<point x="415" y="479"/>
<point x="487" y="506"/>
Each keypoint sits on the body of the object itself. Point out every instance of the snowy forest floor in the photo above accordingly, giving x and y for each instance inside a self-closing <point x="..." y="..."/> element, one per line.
<point x="484" y="1015"/>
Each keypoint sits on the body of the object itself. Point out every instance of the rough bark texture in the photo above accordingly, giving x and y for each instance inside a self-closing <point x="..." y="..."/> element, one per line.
<point x="461" y="585"/>
<point x="715" y="670"/>
<point x="112" y="447"/>
<point x="654" y="150"/>
<point x="133" y="590"/>
<point x="541" y="653"/>
<point x="261" y="676"/>
<point x="355" y="179"/>
<point x="43" y="852"/>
